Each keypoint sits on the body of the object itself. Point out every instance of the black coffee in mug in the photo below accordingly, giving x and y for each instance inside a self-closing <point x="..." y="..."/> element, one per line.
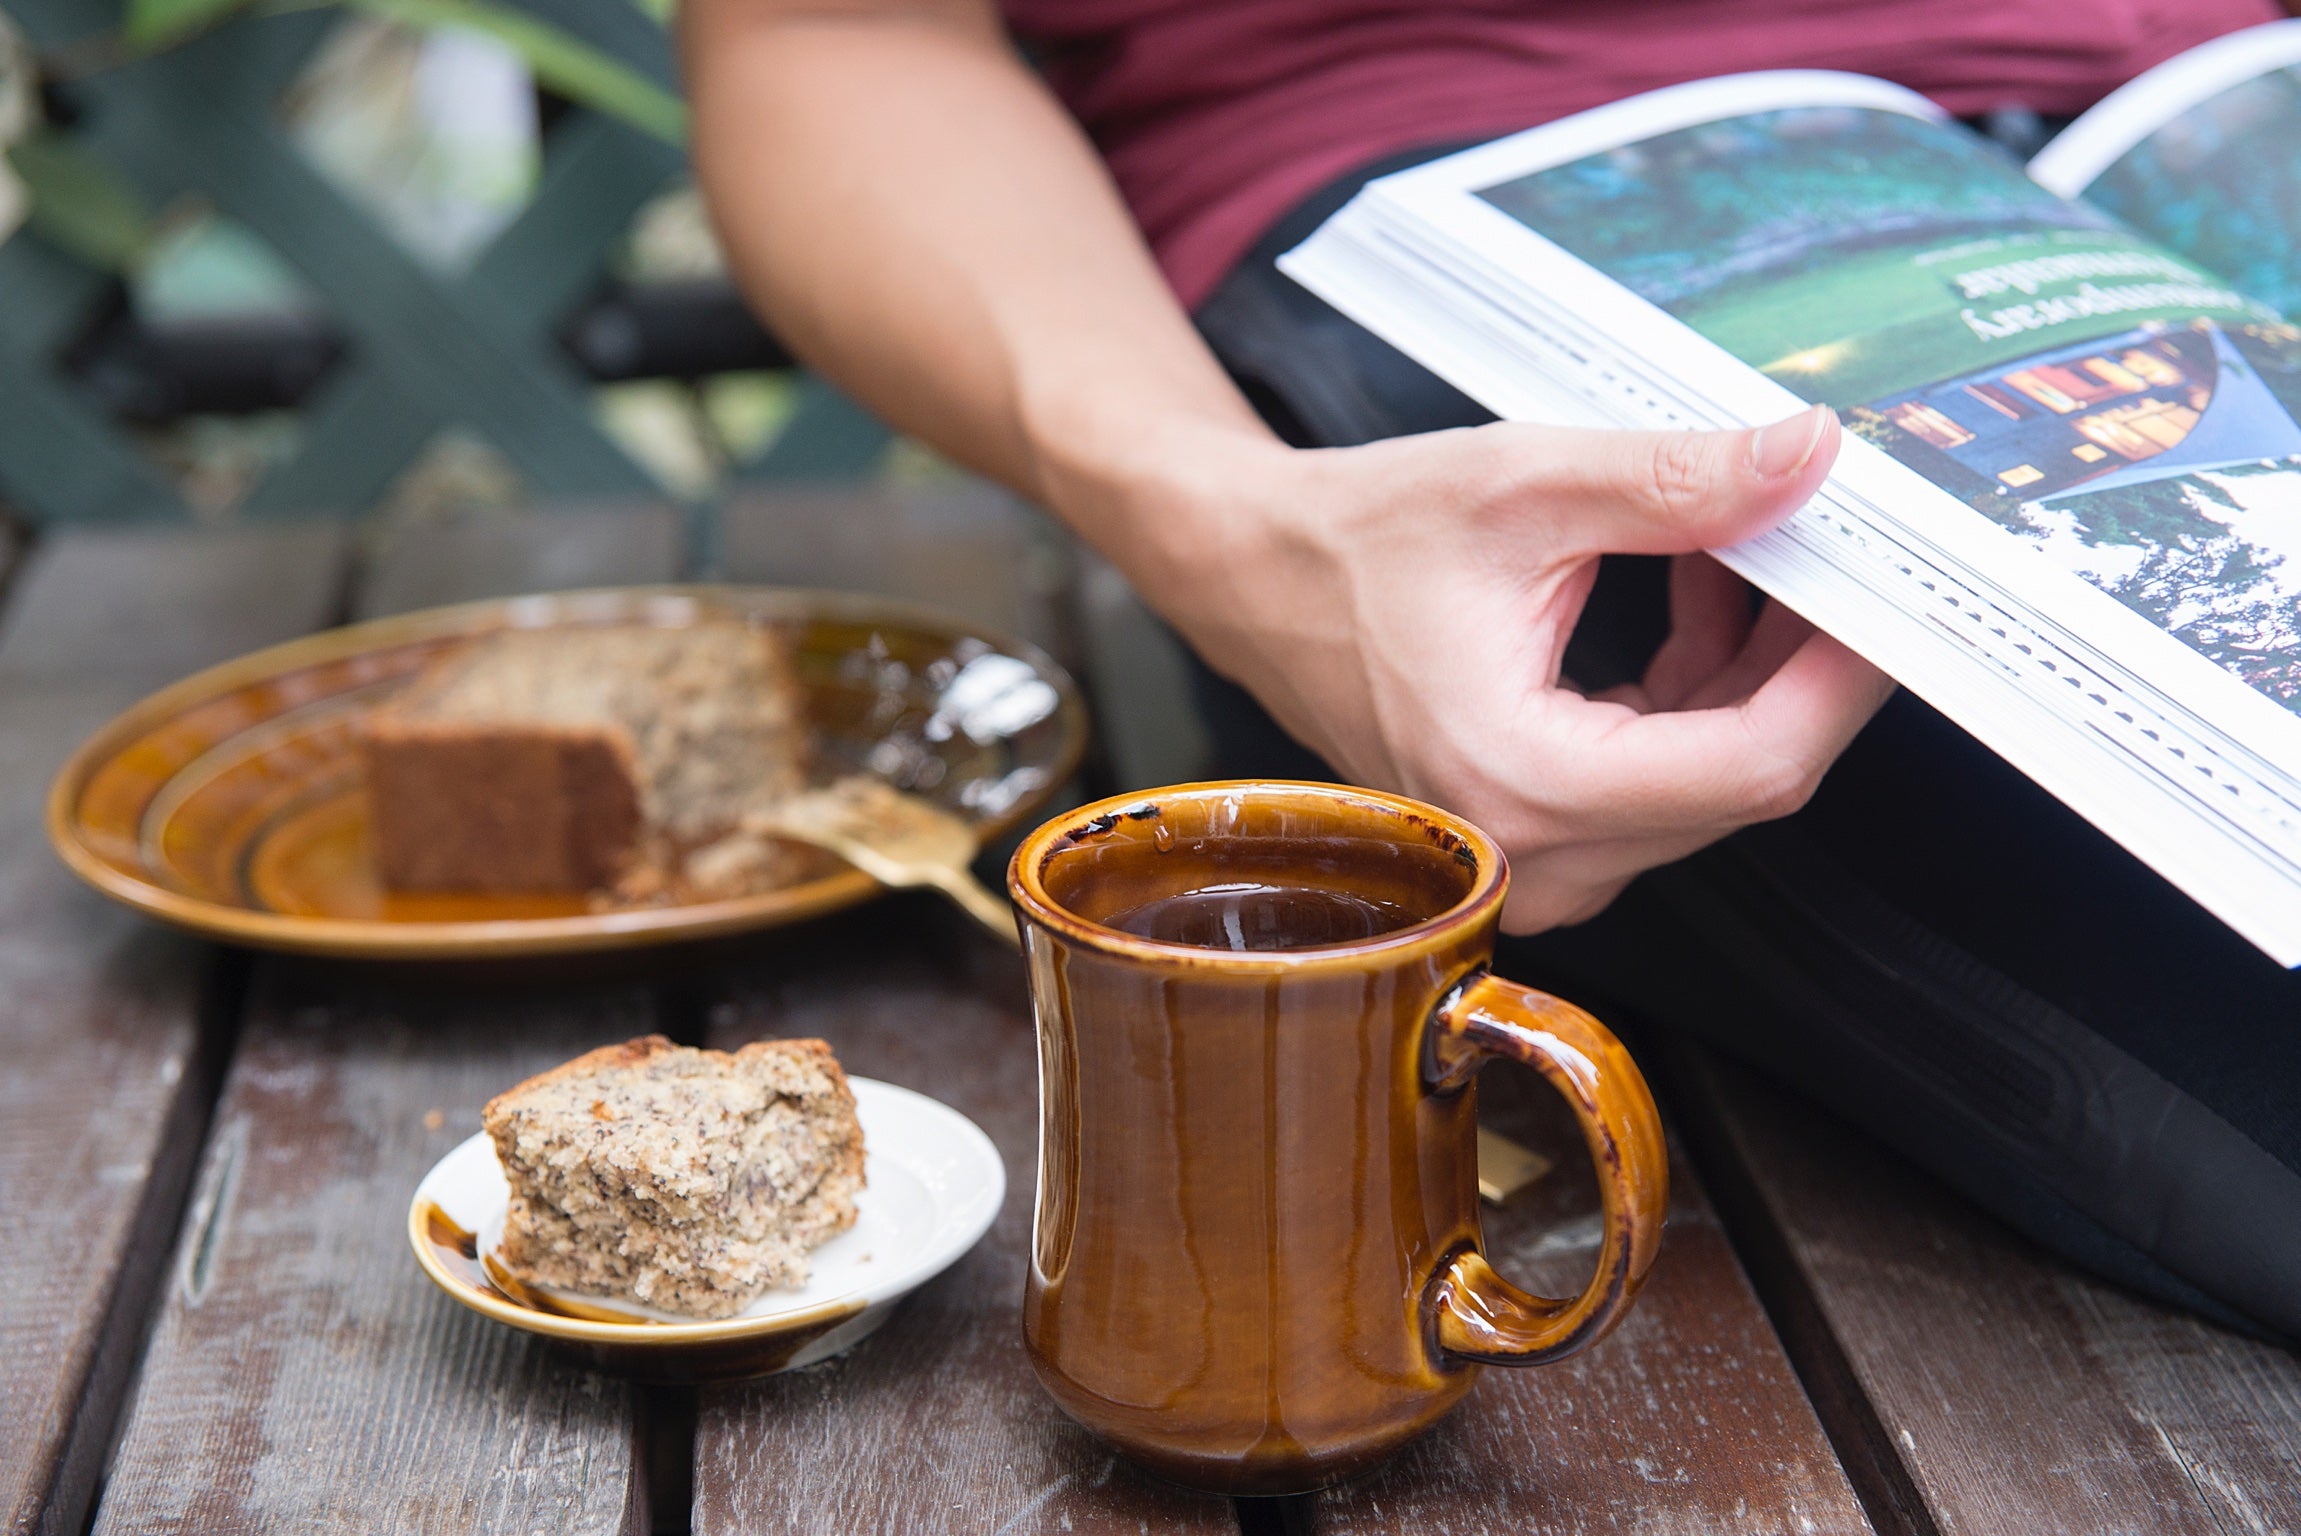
<point x="1243" y="915"/>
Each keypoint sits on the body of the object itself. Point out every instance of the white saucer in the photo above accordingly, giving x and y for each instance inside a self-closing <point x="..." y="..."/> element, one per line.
<point x="934" y="1185"/>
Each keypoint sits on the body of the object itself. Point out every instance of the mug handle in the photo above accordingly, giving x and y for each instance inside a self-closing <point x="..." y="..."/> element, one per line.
<point x="1475" y="1314"/>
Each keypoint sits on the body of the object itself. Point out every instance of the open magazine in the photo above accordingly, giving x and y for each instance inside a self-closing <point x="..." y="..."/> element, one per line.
<point x="2068" y="512"/>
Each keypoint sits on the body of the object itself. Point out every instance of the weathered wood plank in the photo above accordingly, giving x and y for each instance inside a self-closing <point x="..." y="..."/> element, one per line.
<point x="303" y="1373"/>
<point x="967" y="547"/>
<point x="125" y="612"/>
<point x="2017" y="1394"/>
<point x="936" y="1422"/>
<point x="109" y="1071"/>
<point x="1687" y="1419"/>
<point x="552" y="550"/>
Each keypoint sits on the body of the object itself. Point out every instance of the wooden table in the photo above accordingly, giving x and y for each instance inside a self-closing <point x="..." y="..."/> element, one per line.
<point x="208" y="1320"/>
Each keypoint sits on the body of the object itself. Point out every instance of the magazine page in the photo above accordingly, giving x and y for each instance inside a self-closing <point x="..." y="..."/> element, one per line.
<point x="2022" y="375"/>
<point x="2089" y="392"/>
<point x="2203" y="155"/>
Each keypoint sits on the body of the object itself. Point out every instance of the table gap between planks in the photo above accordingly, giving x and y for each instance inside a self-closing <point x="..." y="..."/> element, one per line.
<point x="1973" y="1385"/>
<point x="301" y="1373"/>
<point x="114" y="1031"/>
<point x="303" y="1367"/>
<point x="1980" y="1385"/>
<point x="297" y="1360"/>
<point x="1688" y="1419"/>
<point x="292" y="1358"/>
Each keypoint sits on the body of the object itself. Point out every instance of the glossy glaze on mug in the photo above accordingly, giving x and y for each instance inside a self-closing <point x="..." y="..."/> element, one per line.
<point x="1252" y="1199"/>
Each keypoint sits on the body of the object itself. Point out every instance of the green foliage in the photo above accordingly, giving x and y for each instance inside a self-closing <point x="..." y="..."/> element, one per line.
<point x="1766" y="196"/>
<point x="1822" y="245"/>
<point x="2222" y="182"/>
<point x="561" y="63"/>
<point x="2200" y="579"/>
<point x="150" y="25"/>
<point x="2274" y="354"/>
<point x="78" y="204"/>
<point x="2162" y="512"/>
<point x="81" y="205"/>
<point x="2214" y="591"/>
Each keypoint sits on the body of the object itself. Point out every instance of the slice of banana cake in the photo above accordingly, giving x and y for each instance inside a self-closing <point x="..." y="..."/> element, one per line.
<point x="687" y="1180"/>
<point x="567" y="759"/>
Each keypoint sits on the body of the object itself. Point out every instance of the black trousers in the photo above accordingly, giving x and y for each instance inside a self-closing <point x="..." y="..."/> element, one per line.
<point x="1934" y="947"/>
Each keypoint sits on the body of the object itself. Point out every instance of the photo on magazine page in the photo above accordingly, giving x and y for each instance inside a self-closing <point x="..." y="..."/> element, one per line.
<point x="2126" y="411"/>
<point x="2203" y="155"/>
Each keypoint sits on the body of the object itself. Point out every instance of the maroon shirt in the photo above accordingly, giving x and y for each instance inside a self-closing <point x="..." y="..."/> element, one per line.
<point x="1219" y="115"/>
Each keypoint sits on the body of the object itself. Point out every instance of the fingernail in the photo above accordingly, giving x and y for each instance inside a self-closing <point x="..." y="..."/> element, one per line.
<point x="1782" y="449"/>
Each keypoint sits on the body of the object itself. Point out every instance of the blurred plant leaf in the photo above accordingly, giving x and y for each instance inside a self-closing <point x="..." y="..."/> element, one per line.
<point x="15" y="201"/>
<point x="80" y="204"/>
<point x="19" y="84"/>
<point x="560" y="62"/>
<point x="661" y="10"/>
<point x="19" y="115"/>
<point x="150" y="25"/>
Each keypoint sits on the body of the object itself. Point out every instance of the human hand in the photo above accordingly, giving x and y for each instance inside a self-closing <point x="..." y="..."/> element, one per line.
<point x="1402" y="608"/>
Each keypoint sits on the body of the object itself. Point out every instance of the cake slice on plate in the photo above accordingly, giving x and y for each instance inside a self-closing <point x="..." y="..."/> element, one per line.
<point x="689" y="1181"/>
<point x="582" y="757"/>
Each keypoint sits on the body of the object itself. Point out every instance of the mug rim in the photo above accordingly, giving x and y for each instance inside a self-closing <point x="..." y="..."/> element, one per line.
<point x="1027" y="887"/>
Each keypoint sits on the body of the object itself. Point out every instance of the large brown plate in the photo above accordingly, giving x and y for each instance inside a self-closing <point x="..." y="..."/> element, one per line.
<point x="231" y="803"/>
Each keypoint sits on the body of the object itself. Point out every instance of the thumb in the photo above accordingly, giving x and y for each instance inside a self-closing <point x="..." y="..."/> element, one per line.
<point x="1670" y="493"/>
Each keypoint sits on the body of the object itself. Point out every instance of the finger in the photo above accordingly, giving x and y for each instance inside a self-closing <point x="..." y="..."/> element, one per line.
<point x="1534" y="906"/>
<point x="1572" y="883"/>
<point x="1561" y="886"/>
<point x="1566" y="611"/>
<point x="1818" y="700"/>
<point x="1709" y="626"/>
<point x="1630" y="696"/>
<point x="1662" y="493"/>
<point x="1773" y="640"/>
<point x="1682" y="770"/>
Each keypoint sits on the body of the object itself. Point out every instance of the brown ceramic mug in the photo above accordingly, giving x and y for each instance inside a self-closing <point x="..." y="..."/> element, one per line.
<point x="1256" y="1262"/>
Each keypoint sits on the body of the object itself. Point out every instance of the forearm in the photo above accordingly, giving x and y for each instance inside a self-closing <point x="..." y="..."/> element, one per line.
<point x="919" y="220"/>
